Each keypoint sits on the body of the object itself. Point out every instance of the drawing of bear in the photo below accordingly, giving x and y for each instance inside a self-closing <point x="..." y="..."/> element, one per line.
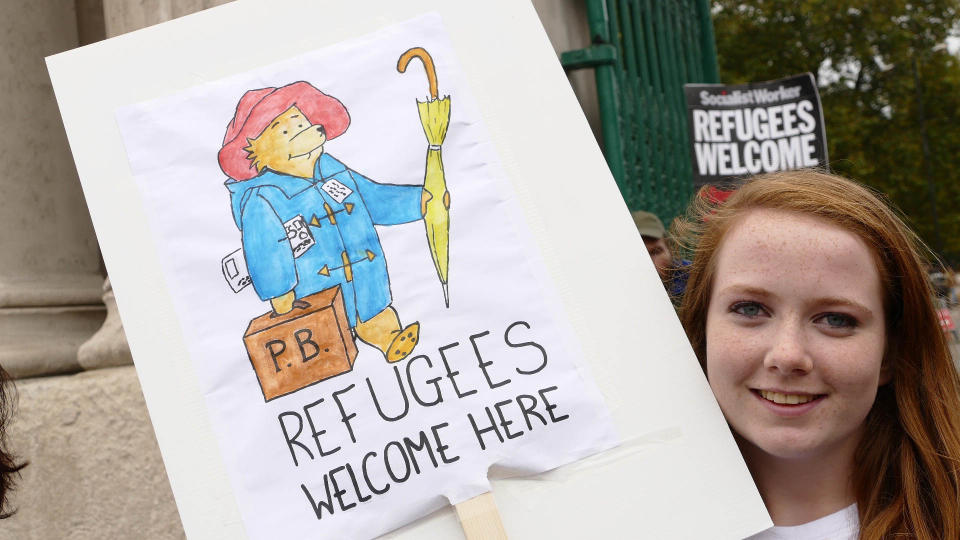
<point x="306" y="219"/>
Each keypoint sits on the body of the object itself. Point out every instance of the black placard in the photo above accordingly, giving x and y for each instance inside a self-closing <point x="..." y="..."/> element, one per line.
<point x="737" y="131"/>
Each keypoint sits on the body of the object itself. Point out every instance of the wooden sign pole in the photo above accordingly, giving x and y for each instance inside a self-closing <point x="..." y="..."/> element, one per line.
<point x="480" y="519"/>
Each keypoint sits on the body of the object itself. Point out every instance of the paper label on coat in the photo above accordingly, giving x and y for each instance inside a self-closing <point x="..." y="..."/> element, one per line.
<point x="335" y="189"/>
<point x="234" y="268"/>
<point x="299" y="235"/>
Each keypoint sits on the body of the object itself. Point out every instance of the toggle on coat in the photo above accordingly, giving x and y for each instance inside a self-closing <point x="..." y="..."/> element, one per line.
<point x="308" y="235"/>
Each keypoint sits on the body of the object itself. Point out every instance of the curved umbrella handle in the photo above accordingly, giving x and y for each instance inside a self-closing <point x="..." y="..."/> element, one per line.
<point x="424" y="56"/>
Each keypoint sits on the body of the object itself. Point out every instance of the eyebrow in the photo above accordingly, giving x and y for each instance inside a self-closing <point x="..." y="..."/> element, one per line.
<point x="277" y="123"/>
<point x="746" y="289"/>
<point x="844" y="302"/>
<point x="824" y="300"/>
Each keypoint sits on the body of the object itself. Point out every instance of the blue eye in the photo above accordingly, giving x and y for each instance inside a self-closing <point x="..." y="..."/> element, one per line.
<point x="747" y="309"/>
<point x="839" y="320"/>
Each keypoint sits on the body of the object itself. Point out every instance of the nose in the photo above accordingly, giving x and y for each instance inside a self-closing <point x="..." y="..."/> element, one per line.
<point x="788" y="351"/>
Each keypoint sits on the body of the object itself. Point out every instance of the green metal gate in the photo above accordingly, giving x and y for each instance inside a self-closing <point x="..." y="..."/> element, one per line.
<point x="643" y="52"/>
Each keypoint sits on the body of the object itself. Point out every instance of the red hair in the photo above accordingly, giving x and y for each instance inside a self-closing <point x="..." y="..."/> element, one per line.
<point x="905" y="477"/>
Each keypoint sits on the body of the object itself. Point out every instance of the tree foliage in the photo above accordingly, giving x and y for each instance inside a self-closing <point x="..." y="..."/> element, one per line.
<point x="868" y="57"/>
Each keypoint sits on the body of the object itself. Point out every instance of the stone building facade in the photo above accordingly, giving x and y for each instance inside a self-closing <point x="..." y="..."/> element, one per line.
<point x="95" y="469"/>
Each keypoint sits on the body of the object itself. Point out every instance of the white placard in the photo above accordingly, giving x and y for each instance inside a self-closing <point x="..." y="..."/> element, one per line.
<point x="356" y="451"/>
<point x="677" y="472"/>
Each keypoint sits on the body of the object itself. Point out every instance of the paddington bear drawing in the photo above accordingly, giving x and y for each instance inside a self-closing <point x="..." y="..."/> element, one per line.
<point x="306" y="219"/>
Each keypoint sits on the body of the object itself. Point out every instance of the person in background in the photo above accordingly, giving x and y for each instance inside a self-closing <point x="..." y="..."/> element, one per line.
<point x="955" y="288"/>
<point x="943" y="290"/>
<point x="672" y="272"/>
<point x="941" y="285"/>
<point x="811" y="313"/>
<point x="9" y="466"/>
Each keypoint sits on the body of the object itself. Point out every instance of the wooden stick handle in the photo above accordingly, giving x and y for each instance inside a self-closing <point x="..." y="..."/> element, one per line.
<point x="480" y="519"/>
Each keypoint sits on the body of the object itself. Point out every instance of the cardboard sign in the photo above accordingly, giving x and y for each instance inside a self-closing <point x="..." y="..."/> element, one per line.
<point x="740" y="130"/>
<point x="477" y="339"/>
<point x="386" y="337"/>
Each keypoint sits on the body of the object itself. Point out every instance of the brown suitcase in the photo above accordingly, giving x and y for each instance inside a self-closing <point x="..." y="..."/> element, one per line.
<point x="302" y="347"/>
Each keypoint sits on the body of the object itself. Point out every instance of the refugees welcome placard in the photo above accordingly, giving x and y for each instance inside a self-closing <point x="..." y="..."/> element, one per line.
<point x="367" y="350"/>
<point x="741" y="130"/>
<point x="359" y="286"/>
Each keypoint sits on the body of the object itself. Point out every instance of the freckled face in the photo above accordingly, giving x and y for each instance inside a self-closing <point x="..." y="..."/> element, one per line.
<point x="795" y="334"/>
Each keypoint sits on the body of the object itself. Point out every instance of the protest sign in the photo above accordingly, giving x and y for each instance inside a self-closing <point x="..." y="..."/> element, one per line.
<point x="354" y="291"/>
<point x="384" y="381"/>
<point x="745" y="129"/>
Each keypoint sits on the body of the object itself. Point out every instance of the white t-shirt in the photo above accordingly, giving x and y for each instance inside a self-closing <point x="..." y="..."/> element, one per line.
<point x="841" y="525"/>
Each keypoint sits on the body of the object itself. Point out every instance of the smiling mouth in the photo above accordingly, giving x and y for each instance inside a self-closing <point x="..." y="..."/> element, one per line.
<point x="787" y="399"/>
<point x="307" y="154"/>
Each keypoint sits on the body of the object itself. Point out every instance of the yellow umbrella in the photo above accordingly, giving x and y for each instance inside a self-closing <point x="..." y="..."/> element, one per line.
<point x="435" y="116"/>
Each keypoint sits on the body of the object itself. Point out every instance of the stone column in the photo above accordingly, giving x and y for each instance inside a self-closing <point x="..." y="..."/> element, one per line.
<point x="565" y="22"/>
<point x="50" y="270"/>
<point x="108" y="347"/>
<point x="95" y="469"/>
<point x="122" y="16"/>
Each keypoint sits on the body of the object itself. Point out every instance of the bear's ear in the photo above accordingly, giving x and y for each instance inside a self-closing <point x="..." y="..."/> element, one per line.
<point x="252" y="154"/>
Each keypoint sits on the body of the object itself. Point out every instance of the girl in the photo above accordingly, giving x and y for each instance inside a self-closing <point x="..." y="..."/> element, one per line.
<point x="809" y="309"/>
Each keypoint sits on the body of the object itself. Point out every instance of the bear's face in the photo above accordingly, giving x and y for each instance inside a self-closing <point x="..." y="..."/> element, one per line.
<point x="289" y="145"/>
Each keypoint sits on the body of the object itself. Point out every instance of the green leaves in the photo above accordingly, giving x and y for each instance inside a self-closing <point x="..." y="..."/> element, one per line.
<point x="863" y="54"/>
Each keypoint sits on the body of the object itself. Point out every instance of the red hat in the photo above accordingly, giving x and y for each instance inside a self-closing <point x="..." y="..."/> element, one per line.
<point x="257" y="108"/>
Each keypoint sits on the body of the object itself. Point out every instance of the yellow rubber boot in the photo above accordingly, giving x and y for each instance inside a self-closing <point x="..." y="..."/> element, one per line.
<point x="383" y="331"/>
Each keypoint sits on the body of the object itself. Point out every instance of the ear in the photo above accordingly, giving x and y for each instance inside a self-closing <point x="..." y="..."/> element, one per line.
<point x="891" y="351"/>
<point x="886" y="372"/>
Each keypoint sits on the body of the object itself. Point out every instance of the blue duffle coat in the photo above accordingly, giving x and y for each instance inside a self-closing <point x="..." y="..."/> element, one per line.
<point x="346" y="249"/>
